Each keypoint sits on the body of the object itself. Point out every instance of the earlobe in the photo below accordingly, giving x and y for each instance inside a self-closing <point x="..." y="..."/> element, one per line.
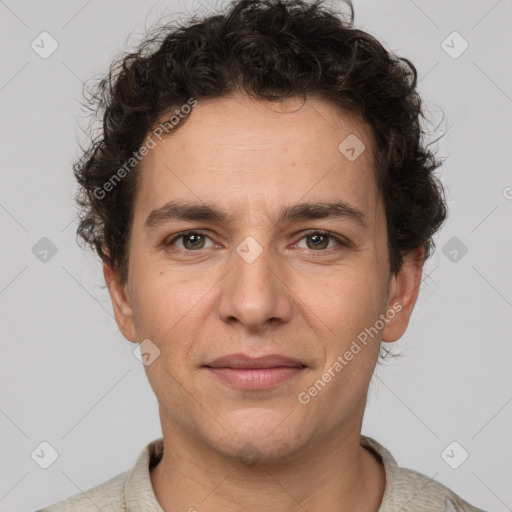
<point x="404" y="289"/>
<point x="121" y="303"/>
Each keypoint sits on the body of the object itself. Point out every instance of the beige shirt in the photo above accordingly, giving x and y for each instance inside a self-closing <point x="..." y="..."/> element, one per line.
<point x="406" y="490"/>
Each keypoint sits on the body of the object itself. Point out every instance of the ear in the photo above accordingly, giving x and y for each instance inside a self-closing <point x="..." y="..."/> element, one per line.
<point x="121" y="303"/>
<point x="403" y="291"/>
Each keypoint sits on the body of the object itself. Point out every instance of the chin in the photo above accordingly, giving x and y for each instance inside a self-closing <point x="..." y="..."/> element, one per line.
<point x="252" y="451"/>
<point x="260" y="436"/>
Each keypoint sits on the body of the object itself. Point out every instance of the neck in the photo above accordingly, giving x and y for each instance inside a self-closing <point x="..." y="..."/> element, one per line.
<point x="339" y="475"/>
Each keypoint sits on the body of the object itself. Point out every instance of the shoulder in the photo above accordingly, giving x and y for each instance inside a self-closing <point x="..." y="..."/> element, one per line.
<point x="410" y="491"/>
<point x="107" y="497"/>
<point x="419" y="493"/>
<point x="129" y="490"/>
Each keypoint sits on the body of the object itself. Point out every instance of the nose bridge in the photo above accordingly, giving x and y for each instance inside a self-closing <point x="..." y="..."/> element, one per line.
<point x="253" y="292"/>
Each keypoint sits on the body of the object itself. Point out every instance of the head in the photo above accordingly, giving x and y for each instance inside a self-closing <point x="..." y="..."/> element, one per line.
<point x="261" y="186"/>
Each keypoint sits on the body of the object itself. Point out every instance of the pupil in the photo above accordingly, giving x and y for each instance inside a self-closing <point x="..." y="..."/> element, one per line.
<point x="194" y="240"/>
<point x="319" y="240"/>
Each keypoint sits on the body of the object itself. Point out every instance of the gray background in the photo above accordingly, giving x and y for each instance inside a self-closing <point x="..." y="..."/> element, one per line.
<point x="69" y="378"/>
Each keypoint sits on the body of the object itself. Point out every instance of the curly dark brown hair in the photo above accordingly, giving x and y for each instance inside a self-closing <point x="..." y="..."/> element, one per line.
<point x="271" y="50"/>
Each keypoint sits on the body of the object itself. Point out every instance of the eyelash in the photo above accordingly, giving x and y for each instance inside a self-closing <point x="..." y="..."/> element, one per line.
<point x="339" y="241"/>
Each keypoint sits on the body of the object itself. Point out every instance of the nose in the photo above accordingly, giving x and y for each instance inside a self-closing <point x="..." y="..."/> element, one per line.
<point x="255" y="291"/>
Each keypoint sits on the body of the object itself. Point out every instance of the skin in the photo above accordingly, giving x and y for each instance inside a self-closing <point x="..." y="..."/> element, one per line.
<point x="252" y="157"/>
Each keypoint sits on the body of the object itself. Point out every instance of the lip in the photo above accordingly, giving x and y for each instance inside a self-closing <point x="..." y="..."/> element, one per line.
<point x="253" y="373"/>
<point x="243" y="361"/>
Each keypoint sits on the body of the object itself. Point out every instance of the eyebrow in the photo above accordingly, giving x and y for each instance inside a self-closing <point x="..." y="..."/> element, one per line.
<point x="301" y="211"/>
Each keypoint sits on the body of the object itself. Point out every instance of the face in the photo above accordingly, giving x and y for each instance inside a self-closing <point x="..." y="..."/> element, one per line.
<point x="284" y="253"/>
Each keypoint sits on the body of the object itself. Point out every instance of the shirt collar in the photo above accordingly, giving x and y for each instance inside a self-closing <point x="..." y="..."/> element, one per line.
<point x="138" y="490"/>
<point x="139" y="493"/>
<point x="391" y="470"/>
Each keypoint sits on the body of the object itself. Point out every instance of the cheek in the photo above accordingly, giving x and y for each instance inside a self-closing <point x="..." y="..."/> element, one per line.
<point x="167" y="304"/>
<point x="347" y="302"/>
<point x="352" y="305"/>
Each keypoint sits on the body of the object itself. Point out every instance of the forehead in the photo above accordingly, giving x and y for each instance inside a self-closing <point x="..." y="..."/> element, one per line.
<point x="239" y="152"/>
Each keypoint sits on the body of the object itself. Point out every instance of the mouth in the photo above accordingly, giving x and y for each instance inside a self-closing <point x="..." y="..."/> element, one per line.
<point x="252" y="373"/>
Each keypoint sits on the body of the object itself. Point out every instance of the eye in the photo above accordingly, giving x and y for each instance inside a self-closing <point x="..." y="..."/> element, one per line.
<point x="194" y="241"/>
<point x="191" y="241"/>
<point x="319" y="240"/>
